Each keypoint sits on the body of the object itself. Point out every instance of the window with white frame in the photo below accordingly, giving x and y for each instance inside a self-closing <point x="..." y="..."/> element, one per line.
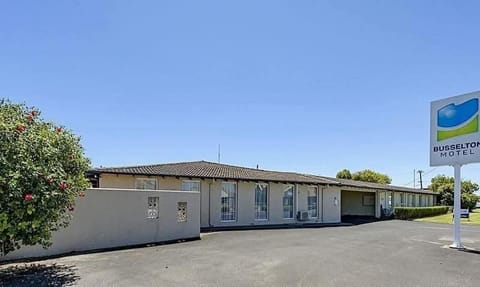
<point x="191" y="185"/>
<point x="146" y="183"/>
<point x="261" y="201"/>
<point x="288" y="195"/>
<point x="313" y="201"/>
<point x="229" y="201"/>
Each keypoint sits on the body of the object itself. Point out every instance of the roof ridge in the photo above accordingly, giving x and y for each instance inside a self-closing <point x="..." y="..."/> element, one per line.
<point x="250" y="168"/>
<point x="217" y="164"/>
<point x="148" y="165"/>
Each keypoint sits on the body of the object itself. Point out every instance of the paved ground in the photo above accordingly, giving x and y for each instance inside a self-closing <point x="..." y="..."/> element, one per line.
<point x="389" y="253"/>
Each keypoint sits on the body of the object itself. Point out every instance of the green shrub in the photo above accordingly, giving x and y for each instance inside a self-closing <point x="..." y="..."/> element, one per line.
<point x="42" y="172"/>
<point x="418" y="212"/>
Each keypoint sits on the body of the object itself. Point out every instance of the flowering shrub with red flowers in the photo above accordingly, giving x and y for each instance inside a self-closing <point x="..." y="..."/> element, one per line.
<point x="42" y="172"/>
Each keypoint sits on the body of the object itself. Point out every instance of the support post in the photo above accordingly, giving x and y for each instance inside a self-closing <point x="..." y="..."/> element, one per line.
<point x="457" y="243"/>
<point x="296" y="201"/>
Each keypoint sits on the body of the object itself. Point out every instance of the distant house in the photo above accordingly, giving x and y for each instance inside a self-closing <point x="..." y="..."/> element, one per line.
<point x="240" y="196"/>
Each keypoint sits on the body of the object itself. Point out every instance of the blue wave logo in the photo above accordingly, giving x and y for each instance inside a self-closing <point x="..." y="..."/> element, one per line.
<point x="456" y="120"/>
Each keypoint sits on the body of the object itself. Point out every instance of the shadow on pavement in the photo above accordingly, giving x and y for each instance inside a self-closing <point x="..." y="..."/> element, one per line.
<point x="469" y="250"/>
<point x="38" y="275"/>
<point x="357" y="220"/>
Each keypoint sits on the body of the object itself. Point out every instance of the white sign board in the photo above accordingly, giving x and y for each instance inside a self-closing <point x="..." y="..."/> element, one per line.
<point x="454" y="130"/>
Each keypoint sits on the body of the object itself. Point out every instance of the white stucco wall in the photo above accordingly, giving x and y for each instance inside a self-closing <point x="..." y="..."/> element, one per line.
<point x="246" y="204"/>
<point x="210" y="199"/>
<point x="211" y="203"/>
<point x="332" y="205"/>
<point x="107" y="218"/>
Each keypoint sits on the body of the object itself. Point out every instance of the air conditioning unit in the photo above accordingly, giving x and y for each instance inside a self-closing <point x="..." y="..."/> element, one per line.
<point x="302" y="216"/>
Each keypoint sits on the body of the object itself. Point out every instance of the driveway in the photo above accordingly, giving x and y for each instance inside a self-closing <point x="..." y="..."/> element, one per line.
<point x="387" y="253"/>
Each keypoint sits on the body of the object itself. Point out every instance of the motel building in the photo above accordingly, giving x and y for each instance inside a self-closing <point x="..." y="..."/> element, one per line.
<point x="233" y="196"/>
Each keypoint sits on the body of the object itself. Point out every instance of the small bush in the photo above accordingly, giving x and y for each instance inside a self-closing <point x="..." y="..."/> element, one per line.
<point x="418" y="212"/>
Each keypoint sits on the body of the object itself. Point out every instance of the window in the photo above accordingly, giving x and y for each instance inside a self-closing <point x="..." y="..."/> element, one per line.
<point x="312" y="202"/>
<point x="288" y="202"/>
<point x="261" y="201"/>
<point x="229" y="201"/>
<point x="189" y="185"/>
<point x="146" y="183"/>
<point x="368" y="200"/>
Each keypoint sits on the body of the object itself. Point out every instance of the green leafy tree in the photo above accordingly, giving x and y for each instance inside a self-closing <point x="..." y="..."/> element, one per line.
<point x="344" y="173"/>
<point x="42" y="172"/>
<point x="369" y="175"/>
<point x="444" y="185"/>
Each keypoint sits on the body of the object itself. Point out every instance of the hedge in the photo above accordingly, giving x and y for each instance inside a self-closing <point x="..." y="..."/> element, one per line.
<point x="418" y="212"/>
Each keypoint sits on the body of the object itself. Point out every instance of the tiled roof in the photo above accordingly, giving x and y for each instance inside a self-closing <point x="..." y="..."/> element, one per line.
<point x="376" y="186"/>
<point x="205" y="169"/>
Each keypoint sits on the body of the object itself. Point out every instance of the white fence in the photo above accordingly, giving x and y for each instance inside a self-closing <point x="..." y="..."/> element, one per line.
<point x="107" y="218"/>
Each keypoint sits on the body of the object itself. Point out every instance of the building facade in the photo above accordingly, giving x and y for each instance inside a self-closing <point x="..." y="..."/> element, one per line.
<point x="239" y="196"/>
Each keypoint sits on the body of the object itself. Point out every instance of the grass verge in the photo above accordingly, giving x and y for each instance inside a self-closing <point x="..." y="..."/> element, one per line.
<point x="448" y="218"/>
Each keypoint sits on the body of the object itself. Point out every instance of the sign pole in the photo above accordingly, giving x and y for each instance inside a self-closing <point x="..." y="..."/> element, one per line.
<point x="454" y="134"/>
<point x="457" y="243"/>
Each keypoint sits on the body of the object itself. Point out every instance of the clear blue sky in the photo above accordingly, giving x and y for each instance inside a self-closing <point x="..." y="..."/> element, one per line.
<point x="309" y="86"/>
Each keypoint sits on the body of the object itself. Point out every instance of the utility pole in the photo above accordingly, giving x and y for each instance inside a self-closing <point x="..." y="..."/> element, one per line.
<point x="218" y="153"/>
<point x="421" y="182"/>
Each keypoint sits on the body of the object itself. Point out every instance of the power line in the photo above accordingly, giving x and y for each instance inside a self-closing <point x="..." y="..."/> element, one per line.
<point x="423" y="173"/>
<point x="408" y="183"/>
<point x="430" y="171"/>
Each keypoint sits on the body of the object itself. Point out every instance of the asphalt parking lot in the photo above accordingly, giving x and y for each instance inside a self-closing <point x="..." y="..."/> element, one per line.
<point x="388" y="253"/>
